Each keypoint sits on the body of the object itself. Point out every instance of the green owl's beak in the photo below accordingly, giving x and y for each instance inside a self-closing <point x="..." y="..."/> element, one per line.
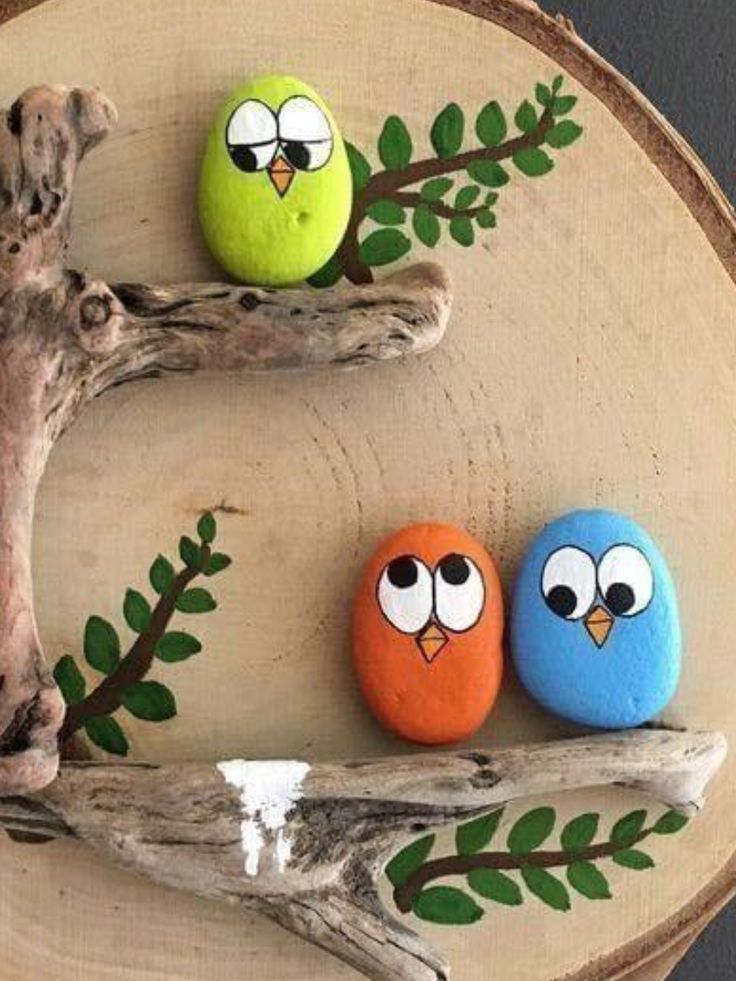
<point x="281" y="173"/>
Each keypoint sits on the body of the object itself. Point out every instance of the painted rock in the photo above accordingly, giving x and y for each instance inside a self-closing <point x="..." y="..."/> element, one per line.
<point x="595" y="631"/>
<point x="427" y="627"/>
<point x="275" y="188"/>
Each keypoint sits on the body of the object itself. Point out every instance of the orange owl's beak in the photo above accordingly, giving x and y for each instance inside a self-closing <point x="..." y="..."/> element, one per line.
<point x="431" y="641"/>
<point x="599" y="624"/>
<point x="281" y="173"/>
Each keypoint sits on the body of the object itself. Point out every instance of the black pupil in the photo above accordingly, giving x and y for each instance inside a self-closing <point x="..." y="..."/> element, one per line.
<point x="619" y="598"/>
<point x="454" y="569"/>
<point x="561" y="600"/>
<point x="402" y="572"/>
<point x="297" y="154"/>
<point x="243" y="157"/>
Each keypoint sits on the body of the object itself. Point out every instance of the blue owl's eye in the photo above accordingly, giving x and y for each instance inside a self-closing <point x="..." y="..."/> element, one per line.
<point x="626" y="580"/>
<point x="569" y="583"/>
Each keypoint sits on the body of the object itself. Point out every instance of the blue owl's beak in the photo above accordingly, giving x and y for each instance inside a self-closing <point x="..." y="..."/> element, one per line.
<point x="599" y="624"/>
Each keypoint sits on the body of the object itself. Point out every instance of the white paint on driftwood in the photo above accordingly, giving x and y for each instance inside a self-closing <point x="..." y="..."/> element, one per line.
<point x="268" y="790"/>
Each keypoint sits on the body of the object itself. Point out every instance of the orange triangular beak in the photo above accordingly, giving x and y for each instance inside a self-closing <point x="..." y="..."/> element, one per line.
<point x="431" y="641"/>
<point x="599" y="624"/>
<point x="281" y="173"/>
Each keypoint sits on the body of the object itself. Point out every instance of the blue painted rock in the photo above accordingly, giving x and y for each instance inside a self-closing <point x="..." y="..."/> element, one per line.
<point x="595" y="631"/>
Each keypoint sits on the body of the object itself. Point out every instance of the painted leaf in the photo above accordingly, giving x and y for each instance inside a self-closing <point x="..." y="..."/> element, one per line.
<point x="542" y="93"/>
<point x="557" y="83"/>
<point x="218" y="561"/>
<point x="461" y="229"/>
<point x="435" y="189"/>
<point x="446" y="904"/>
<point x="496" y="886"/>
<point x="466" y="196"/>
<point x="190" y="552"/>
<point x="177" y="646"/>
<point x="486" y="218"/>
<point x="563" y="134"/>
<point x="387" y="213"/>
<point x="149" y="700"/>
<point x="426" y="225"/>
<point x="490" y="125"/>
<point x="106" y="733"/>
<point x="670" y="823"/>
<point x="101" y="645"/>
<point x="546" y="887"/>
<point x="564" y="104"/>
<point x="579" y="832"/>
<point x="628" y="828"/>
<point x="491" y="198"/>
<point x="589" y="881"/>
<point x="328" y="275"/>
<point x="69" y="679"/>
<point x="136" y="611"/>
<point x="196" y="600"/>
<point x="531" y="830"/>
<point x="526" y="117"/>
<point x="383" y="246"/>
<point x="394" y="144"/>
<point x="161" y="574"/>
<point x="533" y="162"/>
<point x="473" y="836"/>
<point x="207" y="527"/>
<point x="359" y="166"/>
<point x="409" y="859"/>
<point x="447" y="131"/>
<point x="632" y="858"/>
<point x="488" y="173"/>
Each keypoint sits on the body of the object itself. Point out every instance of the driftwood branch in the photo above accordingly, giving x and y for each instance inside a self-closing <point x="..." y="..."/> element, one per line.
<point x="307" y="845"/>
<point x="65" y="338"/>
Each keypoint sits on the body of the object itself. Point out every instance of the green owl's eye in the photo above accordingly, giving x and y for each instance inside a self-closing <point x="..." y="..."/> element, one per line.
<point x="304" y="133"/>
<point x="252" y="136"/>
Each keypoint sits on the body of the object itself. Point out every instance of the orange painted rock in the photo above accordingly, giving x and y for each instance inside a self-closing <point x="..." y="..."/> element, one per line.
<point x="427" y="628"/>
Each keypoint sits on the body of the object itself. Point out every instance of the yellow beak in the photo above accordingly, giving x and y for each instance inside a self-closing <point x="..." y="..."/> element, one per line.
<point x="599" y="624"/>
<point x="431" y="641"/>
<point x="281" y="173"/>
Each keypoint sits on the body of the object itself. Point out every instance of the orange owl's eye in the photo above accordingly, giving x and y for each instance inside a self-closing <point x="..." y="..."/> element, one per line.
<point x="459" y="592"/>
<point x="405" y="593"/>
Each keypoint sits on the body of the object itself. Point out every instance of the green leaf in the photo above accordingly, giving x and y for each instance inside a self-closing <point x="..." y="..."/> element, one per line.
<point x="557" y="83"/>
<point x="579" y="832"/>
<point x="488" y="172"/>
<point x="218" y="561"/>
<point x="491" y="198"/>
<point x="563" y="134"/>
<point x="359" y="166"/>
<point x="491" y="124"/>
<point x="161" y="574"/>
<point x="149" y="700"/>
<point x="494" y="885"/>
<point x="589" y="881"/>
<point x="461" y="229"/>
<point x="447" y="131"/>
<point x="190" y="552"/>
<point x="632" y="858"/>
<point x="409" y="859"/>
<point x="394" y="144"/>
<point x="546" y="887"/>
<point x="101" y="645"/>
<point x="383" y="246"/>
<point x="627" y="829"/>
<point x="533" y="162"/>
<point x="542" y="93"/>
<point x="136" y="611"/>
<point x="531" y="830"/>
<point x="207" y="527"/>
<point x="328" y="275"/>
<point x="435" y="189"/>
<point x="69" y="679"/>
<point x="387" y="213"/>
<point x="446" y="904"/>
<point x="670" y="823"/>
<point x="196" y="600"/>
<point x="564" y="104"/>
<point x="486" y="218"/>
<point x="177" y="646"/>
<point x="526" y="117"/>
<point x="426" y="225"/>
<point x="473" y="836"/>
<point x="106" y="733"/>
<point x="466" y="196"/>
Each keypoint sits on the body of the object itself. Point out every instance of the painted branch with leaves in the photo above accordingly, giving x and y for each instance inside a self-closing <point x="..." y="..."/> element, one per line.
<point x="382" y="197"/>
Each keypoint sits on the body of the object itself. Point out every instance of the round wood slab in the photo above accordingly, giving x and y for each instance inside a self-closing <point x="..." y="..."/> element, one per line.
<point x="590" y="361"/>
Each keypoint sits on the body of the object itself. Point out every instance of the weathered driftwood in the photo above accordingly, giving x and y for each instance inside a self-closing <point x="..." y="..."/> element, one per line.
<point x="306" y="845"/>
<point x="66" y="338"/>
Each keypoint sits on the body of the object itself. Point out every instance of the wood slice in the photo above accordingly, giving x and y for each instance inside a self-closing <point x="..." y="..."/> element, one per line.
<point x="590" y="362"/>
